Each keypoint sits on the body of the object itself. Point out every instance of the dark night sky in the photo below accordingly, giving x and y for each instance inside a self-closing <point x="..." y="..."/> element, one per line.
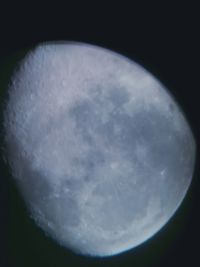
<point x="164" y="39"/>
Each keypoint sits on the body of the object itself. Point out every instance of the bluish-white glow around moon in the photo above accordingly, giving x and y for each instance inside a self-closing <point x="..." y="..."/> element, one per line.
<point x="101" y="152"/>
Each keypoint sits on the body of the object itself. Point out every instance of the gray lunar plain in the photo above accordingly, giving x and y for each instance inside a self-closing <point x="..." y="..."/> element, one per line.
<point x="100" y="151"/>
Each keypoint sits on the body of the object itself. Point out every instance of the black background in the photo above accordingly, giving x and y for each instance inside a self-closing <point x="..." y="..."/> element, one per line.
<point x="164" y="39"/>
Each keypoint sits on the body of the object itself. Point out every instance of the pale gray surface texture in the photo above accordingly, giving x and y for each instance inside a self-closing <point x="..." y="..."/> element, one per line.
<point x="99" y="149"/>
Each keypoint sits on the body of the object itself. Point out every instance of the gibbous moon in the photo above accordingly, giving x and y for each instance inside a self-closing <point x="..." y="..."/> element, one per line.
<point x="101" y="152"/>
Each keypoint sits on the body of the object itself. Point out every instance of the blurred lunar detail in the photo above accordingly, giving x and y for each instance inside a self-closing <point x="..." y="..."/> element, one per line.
<point x="100" y="151"/>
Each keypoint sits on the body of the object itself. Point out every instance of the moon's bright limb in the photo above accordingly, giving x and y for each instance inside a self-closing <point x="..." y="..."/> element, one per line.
<point x="101" y="152"/>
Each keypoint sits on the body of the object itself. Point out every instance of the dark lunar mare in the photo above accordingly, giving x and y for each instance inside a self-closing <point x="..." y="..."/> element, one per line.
<point x="151" y="129"/>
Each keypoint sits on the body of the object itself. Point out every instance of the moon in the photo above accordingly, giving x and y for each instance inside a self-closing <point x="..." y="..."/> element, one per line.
<point x="99" y="149"/>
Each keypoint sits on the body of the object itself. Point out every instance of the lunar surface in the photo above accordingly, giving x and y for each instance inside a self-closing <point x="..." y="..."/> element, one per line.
<point x="101" y="152"/>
